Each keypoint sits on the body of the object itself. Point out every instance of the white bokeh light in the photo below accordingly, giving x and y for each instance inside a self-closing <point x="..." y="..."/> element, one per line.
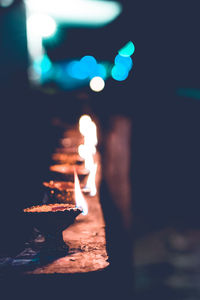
<point x="97" y="84"/>
<point x="41" y="25"/>
<point x="77" y="12"/>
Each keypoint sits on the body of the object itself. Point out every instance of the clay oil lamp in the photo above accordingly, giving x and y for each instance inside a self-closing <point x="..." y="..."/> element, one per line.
<point x="62" y="191"/>
<point x="51" y="220"/>
<point x="68" y="142"/>
<point x="64" y="158"/>
<point x="67" y="150"/>
<point x="65" y="172"/>
<point x="69" y="145"/>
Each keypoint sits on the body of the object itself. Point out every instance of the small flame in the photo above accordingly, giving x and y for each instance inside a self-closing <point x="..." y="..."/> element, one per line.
<point x="84" y="123"/>
<point x="87" y="154"/>
<point x="79" y="199"/>
<point x="90" y="138"/>
<point x="88" y="129"/>
<point x="91" y="184"/>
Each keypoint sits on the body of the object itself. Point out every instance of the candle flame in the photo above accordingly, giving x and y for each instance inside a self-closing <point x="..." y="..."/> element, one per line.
<point x="87" y="154"/>
<point x="91" y="184"/>
<point x="79" y="198"/>
<point x="84" y="123"/>
<point x="88" y="129"/>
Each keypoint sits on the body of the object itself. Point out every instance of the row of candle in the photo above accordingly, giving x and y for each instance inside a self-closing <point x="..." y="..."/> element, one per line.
<point x="69" y="167"/>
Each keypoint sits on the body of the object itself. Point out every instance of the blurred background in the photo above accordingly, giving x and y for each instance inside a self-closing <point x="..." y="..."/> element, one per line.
<point x="138" y="60"/>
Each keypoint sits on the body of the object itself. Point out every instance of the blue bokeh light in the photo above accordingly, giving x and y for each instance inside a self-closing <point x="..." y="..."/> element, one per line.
<point x="77" y="70"/>
<point x="119" y="72"/>
<point x="99" y="70"/>
<point x="126" y="61"/>
<point x="87" y="67"/>
<point x="89" y="62"/>
<point x="42" y="65"/>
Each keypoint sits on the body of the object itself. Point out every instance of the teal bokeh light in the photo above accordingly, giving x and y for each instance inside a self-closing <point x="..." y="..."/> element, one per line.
<point x="42" y="65"/>
<point x="119" y="72"/>
<point x="127" y="50"/>
<point x="101" y="71"/>
<point x="126" y="61"/>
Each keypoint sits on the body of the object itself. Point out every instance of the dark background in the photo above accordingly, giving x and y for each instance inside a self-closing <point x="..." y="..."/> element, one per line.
<point x="165" y="146"/>
<point x="165" y="160"/>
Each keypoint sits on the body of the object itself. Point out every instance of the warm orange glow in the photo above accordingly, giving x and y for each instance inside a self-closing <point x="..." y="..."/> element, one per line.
<point x="66" y="142"/>
<point x="79" y="198"/>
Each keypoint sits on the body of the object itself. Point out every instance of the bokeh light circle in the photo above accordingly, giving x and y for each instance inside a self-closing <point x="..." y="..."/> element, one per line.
<point x="119" y="72"/>
<point x="97" y="84"/>
<point x="42" y="25"/>
<point x="126" y="61"/>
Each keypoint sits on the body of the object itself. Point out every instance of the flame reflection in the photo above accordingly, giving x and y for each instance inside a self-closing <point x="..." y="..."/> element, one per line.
<point x="79" y="198"/>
